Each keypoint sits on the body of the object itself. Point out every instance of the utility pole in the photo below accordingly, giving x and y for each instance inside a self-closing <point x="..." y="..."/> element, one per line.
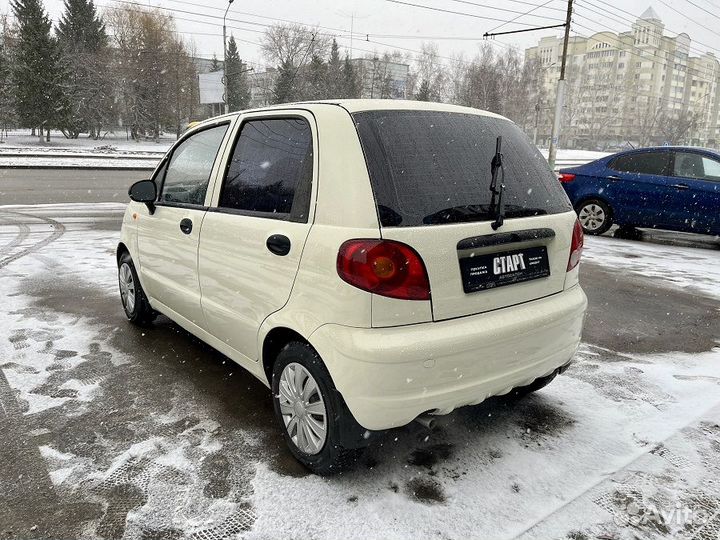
<point x="560" y="98"/>
<point x="225" y="74"/>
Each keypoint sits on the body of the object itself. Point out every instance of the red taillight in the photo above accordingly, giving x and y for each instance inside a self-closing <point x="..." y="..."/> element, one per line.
<point x="384" y="267"/>
<point x="576" y="246"/>
<point x="566" y="177"/>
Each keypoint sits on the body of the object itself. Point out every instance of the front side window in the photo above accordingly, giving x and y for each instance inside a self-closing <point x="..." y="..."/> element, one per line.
<point x="271" y="169"/>
<point x="691" y="165"/>
<point x="188" y="171"/>
<point x="656" y="163"/>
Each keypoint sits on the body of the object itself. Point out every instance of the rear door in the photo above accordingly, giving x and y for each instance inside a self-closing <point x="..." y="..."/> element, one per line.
<point x="168" y="238"/>
<point x="431" y="174"/>
<point x="696" y="186"/>
<point x="638" y="188"/>
<point x="255" y="231"/>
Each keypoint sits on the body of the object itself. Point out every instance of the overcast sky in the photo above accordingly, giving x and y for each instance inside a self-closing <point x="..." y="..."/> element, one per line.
<point x="385" y="18"/>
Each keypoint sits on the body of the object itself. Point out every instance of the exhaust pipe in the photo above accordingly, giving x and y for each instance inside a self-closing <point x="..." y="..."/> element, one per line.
<point x="426" y="421"/>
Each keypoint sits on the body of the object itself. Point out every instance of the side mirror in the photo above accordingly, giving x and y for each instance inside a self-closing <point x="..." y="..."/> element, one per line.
<point x="144" y="191"/>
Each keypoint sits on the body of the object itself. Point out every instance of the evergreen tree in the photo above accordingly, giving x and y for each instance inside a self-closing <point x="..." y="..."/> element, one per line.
<point x="215" y="66"/>
<point x="351" y="85"/>
<point x="317" y="79"/>
<point x="7" y="91"/>
<point x="37" y="71"/>
<point x="88" y="88"/>
<point x="334" y="73"/>
<point x="284" y="90"/>
<point x="81" y="28"/>
<point x="238" y="86"/>
<point x="423" y="93"/>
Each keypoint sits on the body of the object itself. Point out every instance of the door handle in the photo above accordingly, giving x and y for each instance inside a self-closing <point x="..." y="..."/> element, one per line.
<point x="680" y="186"/>
<point x="186" y="225"/>
<point x="613" y="177"/>
<point x="279" y="244"/>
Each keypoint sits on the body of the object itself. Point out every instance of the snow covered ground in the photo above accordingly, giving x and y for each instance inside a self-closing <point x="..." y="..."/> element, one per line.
<point x="118" y="140"/>
<point x="112" y="152"/>
<point x="169" y="441"/>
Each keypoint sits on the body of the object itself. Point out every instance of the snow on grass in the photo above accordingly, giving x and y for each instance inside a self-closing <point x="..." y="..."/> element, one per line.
<point x="692" y="269"/>
<point x="77" y="163"/>
<point x="119" y="141"/>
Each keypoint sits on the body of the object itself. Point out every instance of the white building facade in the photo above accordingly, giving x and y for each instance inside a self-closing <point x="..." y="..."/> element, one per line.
<point x="639" y="87"/>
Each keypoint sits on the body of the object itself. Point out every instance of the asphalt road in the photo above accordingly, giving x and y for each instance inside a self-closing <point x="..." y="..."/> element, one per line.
<point x="43" y="186"/>
<point x="74" y="465"/>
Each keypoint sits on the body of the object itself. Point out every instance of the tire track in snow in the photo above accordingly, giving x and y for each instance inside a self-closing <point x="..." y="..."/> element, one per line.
<point x="58" y="231"/>
<point x="23" y="233"/>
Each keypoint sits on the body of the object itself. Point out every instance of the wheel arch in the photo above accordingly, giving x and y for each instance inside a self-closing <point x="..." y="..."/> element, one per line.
<point x="121" y="249"/>
<point x="272" y="344"/>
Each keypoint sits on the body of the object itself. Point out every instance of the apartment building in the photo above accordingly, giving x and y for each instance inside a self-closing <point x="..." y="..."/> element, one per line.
<point x="639" y="86"/>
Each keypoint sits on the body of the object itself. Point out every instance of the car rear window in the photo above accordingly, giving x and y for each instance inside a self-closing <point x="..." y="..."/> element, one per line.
<point x="434" y="167"/>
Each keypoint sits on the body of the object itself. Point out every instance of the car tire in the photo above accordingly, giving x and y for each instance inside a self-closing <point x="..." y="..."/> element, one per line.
<point x="595" y="216"/>
<point x="628" y="232"/>
<point x="305" y="400"/>
<point x="134" y="302"/>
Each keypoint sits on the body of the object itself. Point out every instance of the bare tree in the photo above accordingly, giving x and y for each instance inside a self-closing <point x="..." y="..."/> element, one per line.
<point x="294" y="44"/>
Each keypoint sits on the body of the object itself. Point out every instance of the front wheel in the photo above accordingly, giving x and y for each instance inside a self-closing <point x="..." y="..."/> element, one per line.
<point x="310" y="410"/>
<point x="595" y="216"/>
<point x="135" y="303"/>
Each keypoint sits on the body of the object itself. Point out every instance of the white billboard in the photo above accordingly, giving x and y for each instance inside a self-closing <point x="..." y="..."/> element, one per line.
<point x="211" y="87"/>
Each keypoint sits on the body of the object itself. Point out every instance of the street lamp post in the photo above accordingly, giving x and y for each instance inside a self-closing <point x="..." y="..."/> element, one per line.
<point x="225" y="77"/>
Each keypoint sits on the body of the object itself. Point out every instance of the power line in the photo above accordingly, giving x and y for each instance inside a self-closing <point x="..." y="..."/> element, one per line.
<point x="516" y="18"/>
<point x="622" y="20"/>
<point x="703" y="9"/>
<point x="636" y="17"/>
<point x="688" y="18"/>
<point x="515" y="1"/>
<point x="442" y="10"/>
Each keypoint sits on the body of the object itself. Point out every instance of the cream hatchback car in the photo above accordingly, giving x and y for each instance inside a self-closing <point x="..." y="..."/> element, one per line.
<point x="373" y="262"/>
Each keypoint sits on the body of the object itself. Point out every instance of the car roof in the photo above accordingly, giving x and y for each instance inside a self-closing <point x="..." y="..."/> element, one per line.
<point x="666" y="148"/>
<point x="359" y="105"/>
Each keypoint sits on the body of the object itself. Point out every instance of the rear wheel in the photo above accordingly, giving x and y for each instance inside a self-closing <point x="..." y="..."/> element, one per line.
<point x="135" y="303"/>
<point x="310" y="410"/>
<point x="595" y="216"/>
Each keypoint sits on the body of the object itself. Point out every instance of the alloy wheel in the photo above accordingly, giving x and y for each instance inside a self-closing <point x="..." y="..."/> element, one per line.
<point x="127" y="287"/>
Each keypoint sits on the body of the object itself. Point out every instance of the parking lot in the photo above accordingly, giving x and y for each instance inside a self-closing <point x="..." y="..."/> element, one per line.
<point x="113" y="431"/>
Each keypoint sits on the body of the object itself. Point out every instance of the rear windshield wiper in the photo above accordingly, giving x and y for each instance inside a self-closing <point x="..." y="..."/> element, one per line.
<point x="496" y="166"/>
<point x="459" y="214"/>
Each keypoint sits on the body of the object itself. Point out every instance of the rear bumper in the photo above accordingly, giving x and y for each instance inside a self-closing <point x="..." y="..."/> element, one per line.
<point x="389" y="376"/>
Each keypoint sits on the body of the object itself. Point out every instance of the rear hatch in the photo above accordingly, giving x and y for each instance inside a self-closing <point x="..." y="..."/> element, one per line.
<point x="431" y="173"/>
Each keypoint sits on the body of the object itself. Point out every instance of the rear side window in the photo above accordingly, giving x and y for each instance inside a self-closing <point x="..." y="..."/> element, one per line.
<point x="434" y="167"/>
<point x="657" y="163"/>
<point x="188" y="171"/>
<point x="691" y="165"/>
<point x="270" y="173"/>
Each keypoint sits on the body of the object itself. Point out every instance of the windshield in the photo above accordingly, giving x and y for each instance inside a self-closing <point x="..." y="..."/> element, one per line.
<point x="434" y="167"/>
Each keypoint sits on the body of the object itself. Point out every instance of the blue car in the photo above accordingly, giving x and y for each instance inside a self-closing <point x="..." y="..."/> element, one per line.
<point x="674" y="188"/>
